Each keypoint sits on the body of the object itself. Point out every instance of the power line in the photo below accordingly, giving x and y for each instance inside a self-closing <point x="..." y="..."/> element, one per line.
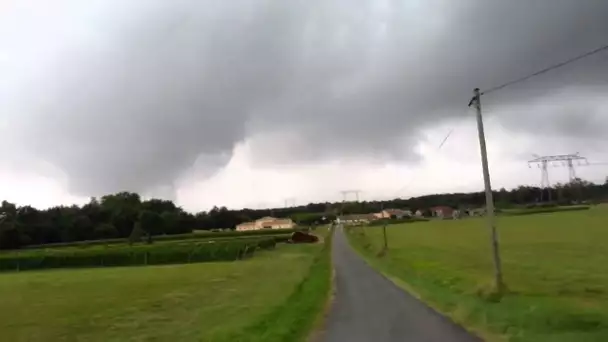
<point x="555" y="66"/>
<point x="443" y="141"/>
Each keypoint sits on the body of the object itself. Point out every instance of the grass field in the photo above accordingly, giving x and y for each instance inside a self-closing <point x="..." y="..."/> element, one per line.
<point x="555" y="266"/>
<point x="229" y="301"/>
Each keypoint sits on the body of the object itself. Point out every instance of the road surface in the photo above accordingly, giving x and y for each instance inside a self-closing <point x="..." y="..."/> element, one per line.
<point x="369" y="308"/>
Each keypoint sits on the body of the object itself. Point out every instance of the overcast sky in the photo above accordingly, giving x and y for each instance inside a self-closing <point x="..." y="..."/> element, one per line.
<point x="246" y="103"/>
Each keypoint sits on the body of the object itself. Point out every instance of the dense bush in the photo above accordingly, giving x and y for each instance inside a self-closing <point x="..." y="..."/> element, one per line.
<point x="124" y="255"/>
<point x="541" y="205"/>
<point x="302" y="237"/>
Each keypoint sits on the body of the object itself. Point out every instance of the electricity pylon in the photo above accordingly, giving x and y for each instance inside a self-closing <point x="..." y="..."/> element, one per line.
<point x="345" y="193"/>
<point x="559" y="160"/>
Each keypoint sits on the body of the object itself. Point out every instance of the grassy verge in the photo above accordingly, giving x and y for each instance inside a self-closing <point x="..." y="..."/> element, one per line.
<point x="294" y="320"/>
<point x="555" y="266"/>
<point x="274" y="294"/>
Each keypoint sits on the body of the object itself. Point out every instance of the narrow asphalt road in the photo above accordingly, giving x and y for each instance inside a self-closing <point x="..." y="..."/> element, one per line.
<point x="369" y="308"/>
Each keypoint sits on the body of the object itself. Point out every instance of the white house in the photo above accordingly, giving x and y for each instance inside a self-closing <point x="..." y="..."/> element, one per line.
<point x="267" y="223"/>
<point x="356" y="219"/>
<point x="393" y="213"/>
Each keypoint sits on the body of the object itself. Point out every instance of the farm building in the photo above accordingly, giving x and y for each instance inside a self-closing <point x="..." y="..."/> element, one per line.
<point x="393" y="213"/>
<point x="356" y="218"/>
<point x="477" y="212"/>
<point x="442" y="211"/>
<point x="456" y="214"/>
<point x="266" y="223"/>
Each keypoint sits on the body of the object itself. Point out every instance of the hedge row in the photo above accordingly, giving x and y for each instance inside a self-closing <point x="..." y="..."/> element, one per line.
<point x="225" y="234"/>
<point x="134" y="255"/>
<point x="541" y="210"/>
<point x="382" y="222"/>
<point x="190" y="236"/>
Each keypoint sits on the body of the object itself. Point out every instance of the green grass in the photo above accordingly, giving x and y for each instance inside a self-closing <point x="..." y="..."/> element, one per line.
<point x="192" y="302"/>
<point x="555" y="266"/>
<point x="297" y="316"/>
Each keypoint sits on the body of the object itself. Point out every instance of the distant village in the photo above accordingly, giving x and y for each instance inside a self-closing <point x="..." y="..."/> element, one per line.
<point x="439" y="212"/>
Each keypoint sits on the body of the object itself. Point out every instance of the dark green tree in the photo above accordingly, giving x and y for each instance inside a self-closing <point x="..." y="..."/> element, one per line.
<point x="137" y="234"/>
<point x="106" y="231"/>
<point x="170" y="221"/>
<point x="151" y="222"/>
<point x="9" y="236"/>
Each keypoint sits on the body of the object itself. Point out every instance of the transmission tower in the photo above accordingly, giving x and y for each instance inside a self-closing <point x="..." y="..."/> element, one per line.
<point x="543" y="162"/>
<point x="345" y="194"/>
<point x="290" y="202"/>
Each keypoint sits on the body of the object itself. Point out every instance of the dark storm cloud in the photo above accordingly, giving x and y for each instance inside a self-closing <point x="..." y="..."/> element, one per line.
<point x="150" y="86"/>
<point x="424" y="66"/>
<point x="566" y="121"/>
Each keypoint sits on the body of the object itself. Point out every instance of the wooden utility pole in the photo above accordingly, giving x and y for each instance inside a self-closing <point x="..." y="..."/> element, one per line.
<point x="476" y="101"/>
<point x="385" y="248"/>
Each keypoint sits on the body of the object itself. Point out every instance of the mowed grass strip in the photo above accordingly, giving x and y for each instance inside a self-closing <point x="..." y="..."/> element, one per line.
<point x="302" y="311"/>
<point x="555" y="266"/>
<point x="193" y="302"/>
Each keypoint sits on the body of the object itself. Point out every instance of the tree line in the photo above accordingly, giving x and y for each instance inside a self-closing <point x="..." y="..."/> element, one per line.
<point x="575" y="192"/>
<point x="126" y="215"/>
<point x="113" y="216"/>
